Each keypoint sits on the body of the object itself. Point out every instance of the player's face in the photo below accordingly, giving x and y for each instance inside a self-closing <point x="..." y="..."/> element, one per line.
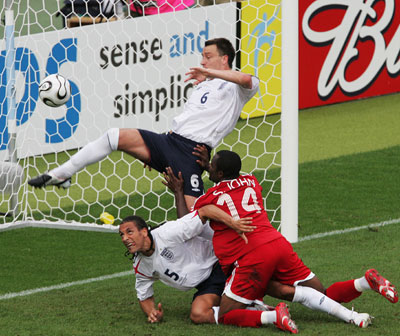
<point x="213" y="172"/>
<point x="132" y="238"/>
<point x="211" y="58"/>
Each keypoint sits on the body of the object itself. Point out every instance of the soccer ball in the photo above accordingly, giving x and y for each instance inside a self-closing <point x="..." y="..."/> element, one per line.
<point x="54" y="90"/>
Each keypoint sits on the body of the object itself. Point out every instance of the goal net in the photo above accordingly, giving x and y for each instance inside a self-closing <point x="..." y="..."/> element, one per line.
<point x="129" y="72"/>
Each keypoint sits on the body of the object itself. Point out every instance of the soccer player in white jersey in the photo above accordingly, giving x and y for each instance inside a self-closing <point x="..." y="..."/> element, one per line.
<point x="176" y="254"/>
<point x="210" y="113"/>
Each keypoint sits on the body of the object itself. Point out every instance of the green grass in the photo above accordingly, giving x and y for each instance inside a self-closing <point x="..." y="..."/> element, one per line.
<point x="336" y="193"/>
<point x="33" y="16"/>
<point x="353" y="127"/>
<point x="42" y="257"/>
<point x="349" y="191"/>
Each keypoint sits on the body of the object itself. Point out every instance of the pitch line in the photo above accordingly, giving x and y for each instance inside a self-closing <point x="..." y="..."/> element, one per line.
<point x="64" y="285"/>
<point x="336" y="232"/>
<point x="122" y="274"/>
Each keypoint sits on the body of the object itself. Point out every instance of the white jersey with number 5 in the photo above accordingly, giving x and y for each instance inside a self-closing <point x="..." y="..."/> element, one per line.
<point x="182" y="259"/>
<point x="212" y="110"/>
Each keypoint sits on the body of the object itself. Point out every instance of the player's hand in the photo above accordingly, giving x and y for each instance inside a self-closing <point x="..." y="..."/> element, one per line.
<point x="198" y="74"/>
<point x="241" y="226"/>
<point x="202" y="153"/>
<point x="156" y="315"/>
<point x="175" y="184"/>
<point x="145" y="165"/>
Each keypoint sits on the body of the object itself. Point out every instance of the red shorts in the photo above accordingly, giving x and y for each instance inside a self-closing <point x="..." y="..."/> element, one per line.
<point x="251" y="273"/>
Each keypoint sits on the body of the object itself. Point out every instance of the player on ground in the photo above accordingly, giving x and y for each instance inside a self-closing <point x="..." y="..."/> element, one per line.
<point x="176" y="254"/>
<point x="345" y="291"/>
<point x="268" y="254"/>
<point x="308" y="297"/>
<point x="210" y="113"/>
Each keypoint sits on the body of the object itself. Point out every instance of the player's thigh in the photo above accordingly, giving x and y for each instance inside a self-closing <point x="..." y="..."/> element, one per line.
<point x="227" y="304"/>
<point x="190" y="201"/>
<point x="131" y="142"/>
<point x="313" y="283"/>
<point x="280" y="291"/>
<point x="201" y="310"/>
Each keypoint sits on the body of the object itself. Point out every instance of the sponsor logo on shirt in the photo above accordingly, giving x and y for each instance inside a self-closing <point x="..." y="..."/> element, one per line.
<point x="167" y="254"/>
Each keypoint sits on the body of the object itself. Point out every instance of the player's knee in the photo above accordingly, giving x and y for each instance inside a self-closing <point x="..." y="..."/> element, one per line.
<point x="113" y="138"/>
<point x="198" y="315"/>
<point x="314" y="283"/>
<point x="195" y="317"/>
<point x="286" y="293"/>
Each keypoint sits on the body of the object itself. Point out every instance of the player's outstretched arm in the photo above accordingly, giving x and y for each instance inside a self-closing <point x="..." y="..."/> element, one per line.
<point x="154" y="314"/>
<point x="175" y="184"/>
<point x="199" y="74"/>
<point x="240" y="225"/>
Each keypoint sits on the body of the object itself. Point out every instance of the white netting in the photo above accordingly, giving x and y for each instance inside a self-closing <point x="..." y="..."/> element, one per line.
<point x="129" y="73"/>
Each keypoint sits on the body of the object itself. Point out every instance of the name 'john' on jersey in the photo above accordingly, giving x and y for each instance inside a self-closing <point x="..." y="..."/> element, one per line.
<point x="240" y="198"/>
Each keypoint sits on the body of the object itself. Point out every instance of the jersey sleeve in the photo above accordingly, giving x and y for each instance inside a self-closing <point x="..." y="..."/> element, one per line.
<point x="248" y="93"/>
<point x="181" y="230"/>
<point x="144" y="287"/>
<point x="144" y="278"/>
<point x="203" y="200"/>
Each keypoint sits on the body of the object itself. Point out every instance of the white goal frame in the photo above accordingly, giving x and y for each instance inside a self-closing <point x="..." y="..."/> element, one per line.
<point x="290" y="120"/>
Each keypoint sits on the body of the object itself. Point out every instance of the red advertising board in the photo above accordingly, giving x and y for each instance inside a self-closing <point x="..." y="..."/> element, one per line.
<point x="348" y="49"/>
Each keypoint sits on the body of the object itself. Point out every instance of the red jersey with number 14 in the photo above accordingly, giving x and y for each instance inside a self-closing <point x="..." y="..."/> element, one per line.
<point x="240" y="198"/>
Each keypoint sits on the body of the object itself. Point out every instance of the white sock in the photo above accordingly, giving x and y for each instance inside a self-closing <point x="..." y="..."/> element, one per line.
<point x="268" y="317"/>
<point x="216" y="311"/>
<point x="93" y="152"/>
<point x="361" y="284"/>
<point x="315" y="300"/>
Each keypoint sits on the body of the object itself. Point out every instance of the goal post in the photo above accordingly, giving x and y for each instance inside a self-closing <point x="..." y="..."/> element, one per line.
<point x="129" y="73"/>
<point x="289" y="115"/>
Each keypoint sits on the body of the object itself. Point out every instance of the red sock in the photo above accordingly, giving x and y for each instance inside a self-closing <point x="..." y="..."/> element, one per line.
<point x="242" y="318"/>
<point x="343" y="291"/>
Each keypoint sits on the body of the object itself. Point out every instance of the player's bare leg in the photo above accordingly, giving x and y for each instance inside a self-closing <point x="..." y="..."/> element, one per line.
<point x="190" y="201"/>
<point x="131" y="142"/>
<point x="202" y="308"/>
<point x="317" y="300"/>
<point x="314" y="283"/>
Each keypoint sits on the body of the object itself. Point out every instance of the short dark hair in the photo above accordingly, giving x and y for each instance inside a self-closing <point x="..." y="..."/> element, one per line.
<point x="139" y="221"/>
<point x="224" y="47"/>
<point x="229" y="163"/>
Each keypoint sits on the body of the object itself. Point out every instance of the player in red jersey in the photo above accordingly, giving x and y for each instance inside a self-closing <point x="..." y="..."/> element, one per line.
<point x="268" y="255"/>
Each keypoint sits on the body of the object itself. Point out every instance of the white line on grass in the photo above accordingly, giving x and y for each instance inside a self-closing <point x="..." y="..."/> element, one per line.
<point x="122" y="274"/>
<point x="332" y="233"/>
<point x="64" y="285"/>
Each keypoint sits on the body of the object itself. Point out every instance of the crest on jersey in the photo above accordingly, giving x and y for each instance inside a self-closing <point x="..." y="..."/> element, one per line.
<point x="167" y="254"/>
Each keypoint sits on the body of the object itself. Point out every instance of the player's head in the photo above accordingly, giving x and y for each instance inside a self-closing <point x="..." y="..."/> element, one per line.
<point x="135" y="235"/>
<point x="225" y="165"/>
<point x="218" y="54"/>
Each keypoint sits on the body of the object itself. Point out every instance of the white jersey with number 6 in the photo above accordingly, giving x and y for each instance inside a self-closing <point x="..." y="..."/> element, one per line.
<point x="213" y="110"/>
<point x="182" y="259"/>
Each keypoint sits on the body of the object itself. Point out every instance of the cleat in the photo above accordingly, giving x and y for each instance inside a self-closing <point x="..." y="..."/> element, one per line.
<point x="283" y="320"/>
<point x="49" y="179"/>
<point x="260" y="305"/>
<point x="382" y="286"/>
<point x="362" y="320"/>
